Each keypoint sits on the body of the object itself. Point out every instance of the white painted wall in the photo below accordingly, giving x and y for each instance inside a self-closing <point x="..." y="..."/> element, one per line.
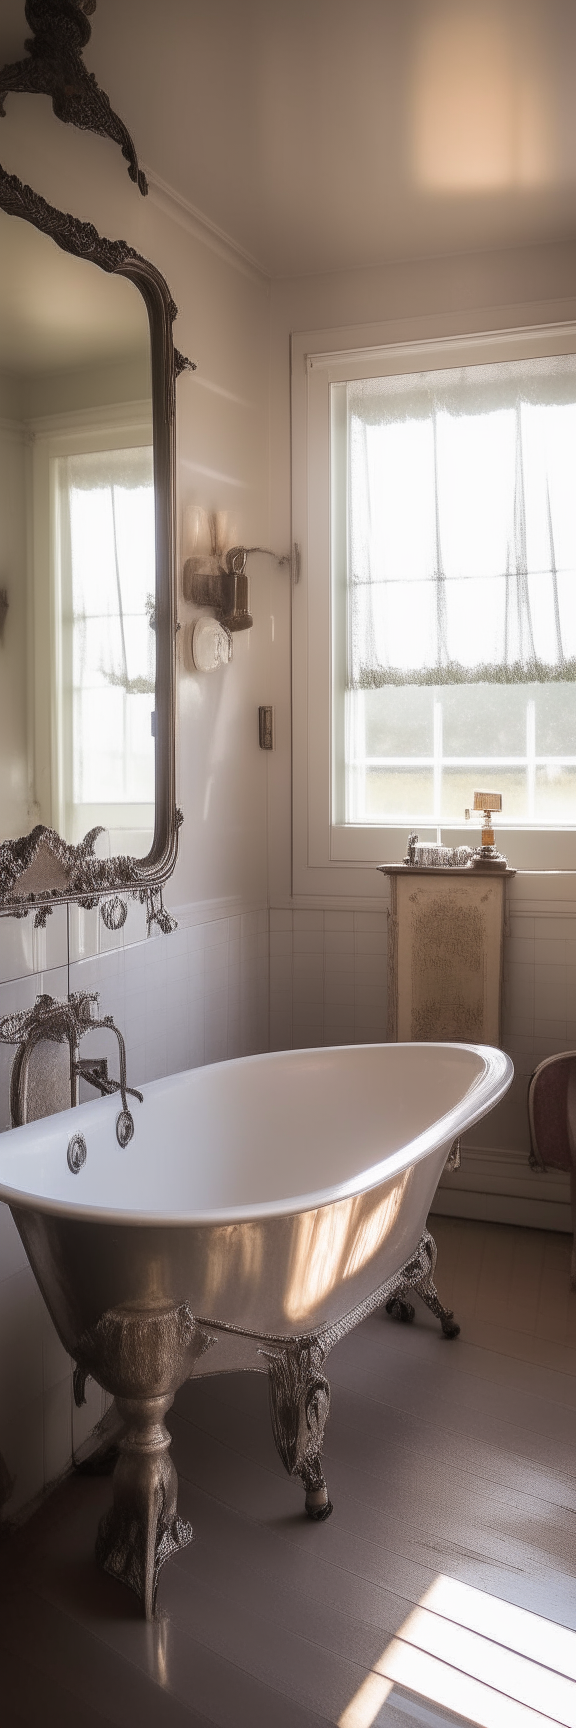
<point x="202" y="993"/>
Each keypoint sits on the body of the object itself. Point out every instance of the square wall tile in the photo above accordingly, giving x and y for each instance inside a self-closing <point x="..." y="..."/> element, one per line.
<point x="371" y="941"/>
<point x="548" y="1027"/>
<point x="17" y="948"/>
<point x="371" y="920"/>
<point x="339" y="962"/>
<point x="339" y="920"/>
<point x="551" y="950"/>
<point x="305" y="919"/>
<point x="339" y="941"/>
<point x="308" y="941"/>
<point x="280" y="919"/>
<point x="549" y="992"/>
<point x="216" y="933"/>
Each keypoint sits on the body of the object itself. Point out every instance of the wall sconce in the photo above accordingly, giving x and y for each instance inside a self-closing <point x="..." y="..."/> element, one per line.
<point x="218" y="578"/>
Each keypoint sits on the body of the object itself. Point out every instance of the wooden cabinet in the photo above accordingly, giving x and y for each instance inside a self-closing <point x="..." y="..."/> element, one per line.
<point x="445" y="953"/>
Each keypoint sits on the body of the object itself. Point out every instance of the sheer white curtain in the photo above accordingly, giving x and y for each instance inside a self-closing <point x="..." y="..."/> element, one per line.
<point x="462" y="525"/>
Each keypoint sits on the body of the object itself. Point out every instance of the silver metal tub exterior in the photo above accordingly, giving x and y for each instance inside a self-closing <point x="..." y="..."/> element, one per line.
<point x="208" y="1204"/>
<point x="262" y="1207"/>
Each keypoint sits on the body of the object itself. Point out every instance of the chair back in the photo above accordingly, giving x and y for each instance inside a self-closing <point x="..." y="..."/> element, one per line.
<point x="552" y="1113"/>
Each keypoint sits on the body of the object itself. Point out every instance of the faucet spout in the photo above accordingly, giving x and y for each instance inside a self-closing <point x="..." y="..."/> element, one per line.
<point x="90" y="1072"/>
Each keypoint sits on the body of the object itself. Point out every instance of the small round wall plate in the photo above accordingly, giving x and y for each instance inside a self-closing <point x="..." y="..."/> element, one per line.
<point x="211" y="645"/>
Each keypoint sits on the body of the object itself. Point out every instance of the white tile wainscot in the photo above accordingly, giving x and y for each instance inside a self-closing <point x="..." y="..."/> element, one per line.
<point x="328" y="986"/>
<point x="327" y="976"/>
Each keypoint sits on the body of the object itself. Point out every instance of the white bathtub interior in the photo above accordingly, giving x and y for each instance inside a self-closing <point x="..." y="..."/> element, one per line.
<point x="262" y="1135"/>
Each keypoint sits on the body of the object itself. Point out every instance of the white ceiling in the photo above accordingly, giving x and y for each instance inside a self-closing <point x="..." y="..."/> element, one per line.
<point x="331" y="134"/>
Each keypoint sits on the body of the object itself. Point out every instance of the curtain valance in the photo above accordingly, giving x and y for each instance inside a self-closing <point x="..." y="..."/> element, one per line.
<point x="462" y="525"/>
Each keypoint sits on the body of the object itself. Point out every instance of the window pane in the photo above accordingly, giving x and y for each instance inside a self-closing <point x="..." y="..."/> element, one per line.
<point x="397" y="793"/>
<point x="555" y="799"/>
<point x="459" y="784"/>
<point x="484" y="719"/>
<point x="555" y="719"/>
<point x="399" y="721"/>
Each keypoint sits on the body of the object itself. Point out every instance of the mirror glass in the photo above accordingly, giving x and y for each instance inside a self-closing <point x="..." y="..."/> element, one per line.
<point x="77" y="548"/>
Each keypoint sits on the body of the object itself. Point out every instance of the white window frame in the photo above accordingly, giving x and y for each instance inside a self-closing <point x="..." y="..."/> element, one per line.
<point x="331" y="857"/>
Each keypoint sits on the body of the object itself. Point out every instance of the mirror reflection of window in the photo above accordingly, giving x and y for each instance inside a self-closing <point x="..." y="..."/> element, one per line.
<point x="105" y="577"/>
<point x="77" y="547"/>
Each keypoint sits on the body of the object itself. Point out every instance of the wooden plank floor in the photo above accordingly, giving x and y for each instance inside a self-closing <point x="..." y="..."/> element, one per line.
<point x="442" y="1590"/>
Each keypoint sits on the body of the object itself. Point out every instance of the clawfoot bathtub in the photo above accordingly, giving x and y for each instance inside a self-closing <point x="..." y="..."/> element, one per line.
<point x="262" y="1208"/>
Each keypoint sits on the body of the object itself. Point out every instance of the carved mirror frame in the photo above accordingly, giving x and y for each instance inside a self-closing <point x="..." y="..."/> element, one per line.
<point x="41" y="870"/>
<point x="26" y="863"/>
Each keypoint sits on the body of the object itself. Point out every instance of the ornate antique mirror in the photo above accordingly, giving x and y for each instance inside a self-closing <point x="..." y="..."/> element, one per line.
<point x="87" y="590"/>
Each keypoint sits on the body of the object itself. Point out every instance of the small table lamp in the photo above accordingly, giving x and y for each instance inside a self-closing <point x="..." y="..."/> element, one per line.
<point x="488" y="852"/>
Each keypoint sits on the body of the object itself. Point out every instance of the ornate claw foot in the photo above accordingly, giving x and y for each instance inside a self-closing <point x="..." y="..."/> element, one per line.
<point x="426" y="1288"/>
<point x="142" y="1528"/>
<point x="418" y="1275"/>
<point x="142" y="1356"/>
<point x="299" y="1405"/>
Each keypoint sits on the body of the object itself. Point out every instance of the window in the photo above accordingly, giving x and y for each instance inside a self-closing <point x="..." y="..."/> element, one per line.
<point x="436" y="503"/>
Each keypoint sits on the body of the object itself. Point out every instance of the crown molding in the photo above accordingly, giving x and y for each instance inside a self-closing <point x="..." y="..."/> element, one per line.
<point x="208" y="233"/>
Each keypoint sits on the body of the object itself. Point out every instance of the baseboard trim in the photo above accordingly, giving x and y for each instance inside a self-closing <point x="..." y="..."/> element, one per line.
<point x="498" y="1186"/>
<point x="503" y="1209"/>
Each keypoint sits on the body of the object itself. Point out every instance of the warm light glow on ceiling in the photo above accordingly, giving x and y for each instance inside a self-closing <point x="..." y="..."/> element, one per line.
<point x="494" y="1664"/>
<point x="481" y="114"/>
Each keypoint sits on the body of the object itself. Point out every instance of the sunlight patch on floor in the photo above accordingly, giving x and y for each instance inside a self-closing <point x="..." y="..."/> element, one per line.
<point x="496" y="1665"/>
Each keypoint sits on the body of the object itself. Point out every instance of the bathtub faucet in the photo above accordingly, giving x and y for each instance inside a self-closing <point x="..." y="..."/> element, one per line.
<point x="95" y="1073"/>
<point x="53" y="1021"/>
